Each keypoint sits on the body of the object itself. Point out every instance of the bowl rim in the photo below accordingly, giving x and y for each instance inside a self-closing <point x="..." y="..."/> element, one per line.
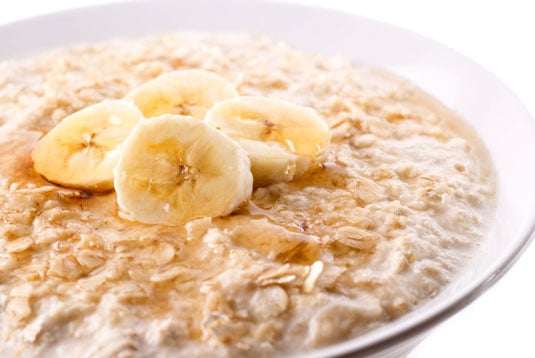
<point x="375" y="342"/>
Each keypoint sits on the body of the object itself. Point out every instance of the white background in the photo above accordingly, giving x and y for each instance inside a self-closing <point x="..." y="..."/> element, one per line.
<point x="499" y="35"/>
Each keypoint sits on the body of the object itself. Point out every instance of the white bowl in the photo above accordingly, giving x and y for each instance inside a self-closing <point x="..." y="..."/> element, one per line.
<point x="498" y="116"/>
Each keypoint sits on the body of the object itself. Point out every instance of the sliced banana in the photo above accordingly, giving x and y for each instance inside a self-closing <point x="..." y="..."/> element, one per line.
<point x="82" y="150"/>
<point x="271" y="163"/>
<point x="281" y="138"/>
<point x="175" y="168"/>
<point x="184" y="92"/>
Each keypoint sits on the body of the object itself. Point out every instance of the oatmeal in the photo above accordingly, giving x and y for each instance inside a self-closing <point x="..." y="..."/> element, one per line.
<point x="385" y="219"/>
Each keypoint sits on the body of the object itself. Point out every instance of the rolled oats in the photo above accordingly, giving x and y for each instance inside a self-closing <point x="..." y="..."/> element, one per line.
<point x="382" y="221"/>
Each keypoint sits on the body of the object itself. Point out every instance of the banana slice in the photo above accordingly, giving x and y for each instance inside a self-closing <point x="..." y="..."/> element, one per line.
<point x="185" y="92"/>
<point x="174" y="169"/>
<point x="82" y="150"/>
<point x="271" y="163"/>
<point x="281" y="138"/>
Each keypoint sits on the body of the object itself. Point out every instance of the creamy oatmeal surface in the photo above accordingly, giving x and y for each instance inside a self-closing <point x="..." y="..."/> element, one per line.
<point x="400" y="198"/>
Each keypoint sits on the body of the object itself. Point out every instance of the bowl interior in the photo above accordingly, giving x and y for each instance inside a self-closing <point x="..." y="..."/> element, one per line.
<point x="492" y="109"/>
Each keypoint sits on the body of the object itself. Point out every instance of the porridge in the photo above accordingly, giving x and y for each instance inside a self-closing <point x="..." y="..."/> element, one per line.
<point x="383" y="219"/>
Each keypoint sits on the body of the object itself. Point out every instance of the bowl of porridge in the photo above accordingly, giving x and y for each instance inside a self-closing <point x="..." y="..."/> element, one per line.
<point x="178" y="183"/>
